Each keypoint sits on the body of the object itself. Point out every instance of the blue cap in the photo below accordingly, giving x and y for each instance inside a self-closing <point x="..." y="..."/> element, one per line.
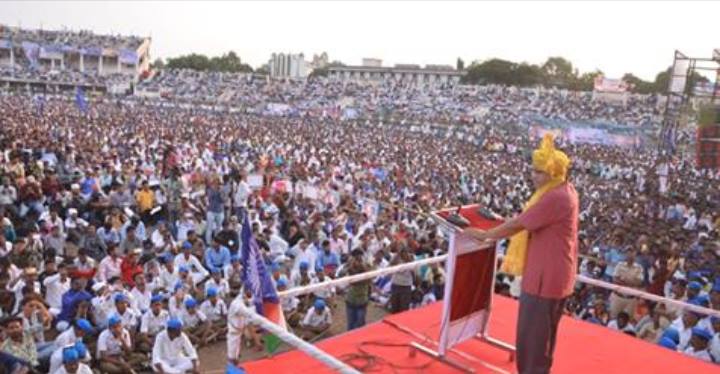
<point x="157" y="298"/>
<point x="114" y="320"/>
<point x="183" y="269"/>
<point x="212" y="292"/>
<point x="70" y="354"/>
<point x="235" y="258"/>
<point x="667" y="343"/>
<point x="178" y="285"/>
<point x="694" y="285"/>
<point x="276" y="267"/>
<point x="319" y="304"/>
<point x="215" y="271"/>
<point x="282" y="282"/>
<point x="304" y="265"/>
<point x="702" y="333"/>
<point x="81" y="349"/>
<point x="672" y="334"/>
<point x="120" y="297"/>
<point x="84" y="325"/>
<point x="190" y="303"/>
<point x="174" y="323"/>
<point x="186" y="245"/>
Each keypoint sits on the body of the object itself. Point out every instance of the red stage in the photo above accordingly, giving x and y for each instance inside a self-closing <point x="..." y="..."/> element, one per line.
<point x="582" y="348"/>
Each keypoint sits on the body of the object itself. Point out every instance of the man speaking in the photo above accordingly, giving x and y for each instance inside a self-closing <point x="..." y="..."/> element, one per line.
<point x="543" y="249"/>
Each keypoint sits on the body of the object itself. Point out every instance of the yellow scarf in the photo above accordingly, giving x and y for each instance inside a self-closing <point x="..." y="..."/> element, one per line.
<point x="555" y="163"/>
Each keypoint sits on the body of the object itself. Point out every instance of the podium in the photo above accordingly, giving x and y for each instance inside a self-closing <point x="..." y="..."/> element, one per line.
<point x="469" y="286"/>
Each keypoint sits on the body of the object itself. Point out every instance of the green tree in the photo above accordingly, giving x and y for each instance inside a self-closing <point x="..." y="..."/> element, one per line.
<point x="559" y="72"/>
<point x="157" y="64"/>
<point x="460" y="64"/>
<point x="228" y="62"/>
<point x="493" y="71"/>
<point x="323" y="71"/>
<point x="585" y="82"/>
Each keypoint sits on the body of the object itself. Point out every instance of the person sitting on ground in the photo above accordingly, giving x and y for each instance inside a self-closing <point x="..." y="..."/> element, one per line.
<point x="215" y="310"/>
<point x="115" y="351"/>
<point x="317" y="320"/>
<point x="699" y="344"/>
<point x="196" y="323"/>
<point x="152" y="322"/>
<point x="173" y="351"/>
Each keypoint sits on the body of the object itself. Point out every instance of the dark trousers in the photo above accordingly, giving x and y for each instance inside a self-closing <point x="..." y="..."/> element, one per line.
<point x="537" y="326"/>
<point x="400" y="298"/>
<point x="355" y="315"/>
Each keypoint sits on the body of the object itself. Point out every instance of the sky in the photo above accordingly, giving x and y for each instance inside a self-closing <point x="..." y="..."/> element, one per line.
<point x="615" y="37"/>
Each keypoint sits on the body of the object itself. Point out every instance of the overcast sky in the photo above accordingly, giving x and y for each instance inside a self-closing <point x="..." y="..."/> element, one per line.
<point x="616" y="37"/>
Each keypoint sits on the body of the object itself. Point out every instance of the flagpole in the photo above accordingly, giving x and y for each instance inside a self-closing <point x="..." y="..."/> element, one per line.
<point x="287" y="337"/>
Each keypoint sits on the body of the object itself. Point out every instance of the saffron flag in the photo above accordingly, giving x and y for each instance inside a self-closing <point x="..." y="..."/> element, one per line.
<point x="470" y="278"/>
<point x="257" y="279"/>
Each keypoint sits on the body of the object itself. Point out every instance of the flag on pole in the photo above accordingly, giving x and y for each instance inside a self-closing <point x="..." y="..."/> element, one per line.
<point x="81" y="101"/>
<point x="257" y="279"/>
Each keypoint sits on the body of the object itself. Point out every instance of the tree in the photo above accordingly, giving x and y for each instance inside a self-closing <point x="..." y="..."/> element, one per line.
<point x="493" y="71"/>
<point x="559" y="72"/>
<point x="157" y="64"/>
<point x="638" y="85"/>
<point x="460" y="64"/>
<point x="528" y="75"/>
<point x="585" y="82"/>
<point x="228" y="62"/>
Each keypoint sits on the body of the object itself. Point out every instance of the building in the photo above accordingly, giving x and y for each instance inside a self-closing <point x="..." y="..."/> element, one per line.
<point x="70" y="58"/>
<point x="429" y="75"/>
<point x="288" y="65"/>
<point x="372" y="62"/>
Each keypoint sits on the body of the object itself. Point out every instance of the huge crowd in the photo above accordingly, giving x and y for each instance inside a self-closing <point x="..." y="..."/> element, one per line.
<point x="440" y="103"/>
<point x="121" y="226"/>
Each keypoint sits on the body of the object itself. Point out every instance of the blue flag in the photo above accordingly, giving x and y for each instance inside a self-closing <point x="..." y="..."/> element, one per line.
<point x="81" y="100"/>
<point x="255" y="275"/>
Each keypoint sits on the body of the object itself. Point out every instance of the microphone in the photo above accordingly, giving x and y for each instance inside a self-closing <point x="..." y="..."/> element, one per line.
<point x="489" y="214"/>
<point x="458" y="220"/>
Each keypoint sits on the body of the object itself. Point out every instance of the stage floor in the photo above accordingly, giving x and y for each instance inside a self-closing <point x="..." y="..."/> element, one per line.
<point x="581" y="348"/>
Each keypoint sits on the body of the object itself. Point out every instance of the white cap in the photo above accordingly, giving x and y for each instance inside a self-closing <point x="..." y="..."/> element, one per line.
<point x="75" y="186"/>
<point x="97" y="286"/>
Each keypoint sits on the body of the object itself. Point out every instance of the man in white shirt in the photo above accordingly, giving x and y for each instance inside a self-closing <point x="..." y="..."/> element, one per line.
<point x="317" y="320"/>
<point x="197" y="324"/>
<point x="140" y="294"/>
<point x="241" y="192"/>
<point x="55" y="286"/>
<point x="221" y="286"/>
<point x="71" y="361"/>
<point x="128" y="316"/>
<point x="173" y="352"/>
<point x="115" y="350"/>
<point x="236" y="327"/>
<point x="698" y="345"/>
<point x="684" y="325"/>
<point x="110" y="265"/>
<point x="74" y="333"/>
<point x="168" y="275"/>
<point x="184" y="226"/>
<point x="187" y="259"/>
<point x="215" y="310"/>
<point x="29" y="277"/>
<point x="151" y="323"/>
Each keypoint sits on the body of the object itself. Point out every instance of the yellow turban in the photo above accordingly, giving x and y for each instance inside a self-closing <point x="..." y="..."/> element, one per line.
<point x="550" y="160"/>
<point x="555" y="163"/>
